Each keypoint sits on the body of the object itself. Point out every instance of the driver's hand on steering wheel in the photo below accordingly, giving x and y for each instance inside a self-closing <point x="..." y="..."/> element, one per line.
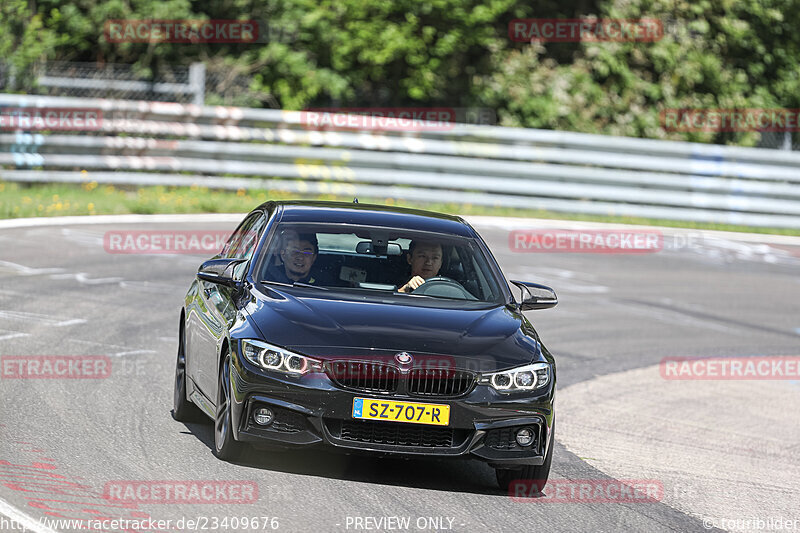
<point x="412" y="284"/>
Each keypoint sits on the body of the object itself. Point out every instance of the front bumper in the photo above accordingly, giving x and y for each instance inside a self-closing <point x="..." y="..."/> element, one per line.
<point x="311" y="410"/>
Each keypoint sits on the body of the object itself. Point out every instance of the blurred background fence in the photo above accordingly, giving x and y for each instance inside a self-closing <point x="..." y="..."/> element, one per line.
<point x="198" y="83"/>
<point x="159" y="143"/>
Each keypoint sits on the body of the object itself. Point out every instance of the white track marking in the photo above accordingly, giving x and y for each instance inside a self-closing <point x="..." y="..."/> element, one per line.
<point x="58" y="273"/>
<point x="146" y="286"/>
<point x="44" y="319"/>
<point x="567" y="286"/>
<point x="123" y="350"/>
<point x="562" y="273"/>
<point x="131" y="352"/>
<point x="82" y="278"/>
<point x="22" y="519"/>
<point x="23" y="270"/>
<point x="13" y="336"/>
<point x="92" y="239"/>
<point x="579" y="282"/>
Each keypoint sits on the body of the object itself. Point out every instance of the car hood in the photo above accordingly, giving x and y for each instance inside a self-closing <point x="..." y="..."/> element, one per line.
<point x="487" y="339"/>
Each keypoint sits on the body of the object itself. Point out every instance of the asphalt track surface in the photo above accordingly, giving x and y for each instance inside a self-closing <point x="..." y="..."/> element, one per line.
<point x="62" y="440"/>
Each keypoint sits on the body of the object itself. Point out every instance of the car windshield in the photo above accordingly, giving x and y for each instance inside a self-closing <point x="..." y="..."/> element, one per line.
<point x="354" y="258"/>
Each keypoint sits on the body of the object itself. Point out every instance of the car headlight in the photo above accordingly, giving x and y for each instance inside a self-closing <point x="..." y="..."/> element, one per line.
<point x="528" y="377"/>
<point x="278" y="359"/>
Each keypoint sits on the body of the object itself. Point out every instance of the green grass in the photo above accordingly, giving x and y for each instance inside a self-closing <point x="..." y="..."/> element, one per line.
<point x="42" y="200"/>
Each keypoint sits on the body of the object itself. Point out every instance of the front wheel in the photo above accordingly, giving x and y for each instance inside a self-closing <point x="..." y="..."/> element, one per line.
<point x="225" y="446"/>
<point x="533" y="477"/>
<point x="182" y="409"/>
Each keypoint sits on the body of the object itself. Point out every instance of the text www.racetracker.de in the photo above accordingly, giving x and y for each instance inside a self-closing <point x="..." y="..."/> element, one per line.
<point x="198" y="523"/>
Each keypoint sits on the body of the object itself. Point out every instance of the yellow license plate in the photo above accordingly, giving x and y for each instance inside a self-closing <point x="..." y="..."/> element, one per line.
<point x="411" y="413"/>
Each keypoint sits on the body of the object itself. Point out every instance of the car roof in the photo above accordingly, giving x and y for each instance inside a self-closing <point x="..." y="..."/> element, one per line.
<point x="372" y="215"/>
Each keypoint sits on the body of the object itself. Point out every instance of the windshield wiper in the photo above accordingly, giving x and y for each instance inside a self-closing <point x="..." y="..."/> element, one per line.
<point x="294" y="284"/>
<point x="301" y="284"/>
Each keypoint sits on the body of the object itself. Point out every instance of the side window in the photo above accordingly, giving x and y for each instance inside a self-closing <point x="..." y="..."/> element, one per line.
<point x="244" y="239"/>
<point x="250" y="239"/>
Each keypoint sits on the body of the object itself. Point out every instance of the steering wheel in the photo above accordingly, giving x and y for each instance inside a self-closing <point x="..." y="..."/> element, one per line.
<point x="444" y="287"/>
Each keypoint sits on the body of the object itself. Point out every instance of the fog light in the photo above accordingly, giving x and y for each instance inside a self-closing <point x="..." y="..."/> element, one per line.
<point x="264" y="416"/>
<point x="524" y="437"/>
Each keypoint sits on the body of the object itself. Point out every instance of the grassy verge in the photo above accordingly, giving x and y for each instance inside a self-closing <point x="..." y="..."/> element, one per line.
<point x="42" y="200"/>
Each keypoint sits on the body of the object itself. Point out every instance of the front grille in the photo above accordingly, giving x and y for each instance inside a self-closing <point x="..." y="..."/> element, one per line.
<point x="440" y="382"/>
<point x="370" y="376"/>
<point x="505" y="439"/>
<point x="399" y="434"/>
<point x="364" y="375"/>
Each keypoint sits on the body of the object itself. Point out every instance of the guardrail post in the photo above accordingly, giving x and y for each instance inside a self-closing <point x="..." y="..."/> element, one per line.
<point x="787" y="141"/>
<point x="197" y="82"/>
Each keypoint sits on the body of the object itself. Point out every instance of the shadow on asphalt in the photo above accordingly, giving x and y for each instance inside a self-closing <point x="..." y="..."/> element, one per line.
<point x="451" y="475"/>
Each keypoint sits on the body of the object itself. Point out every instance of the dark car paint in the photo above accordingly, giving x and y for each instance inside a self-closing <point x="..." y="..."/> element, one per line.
<point x="310" y="322"/>
<point x="315" y="323"/>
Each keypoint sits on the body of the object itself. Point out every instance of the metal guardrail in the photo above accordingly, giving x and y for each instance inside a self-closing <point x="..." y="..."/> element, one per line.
<point x="145" y="143"/>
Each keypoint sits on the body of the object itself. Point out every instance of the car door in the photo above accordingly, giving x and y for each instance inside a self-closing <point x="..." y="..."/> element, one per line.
<point x="217" y="309"/>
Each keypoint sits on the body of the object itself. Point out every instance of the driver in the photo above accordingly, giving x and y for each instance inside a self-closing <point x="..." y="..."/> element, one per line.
<point x="298" y="255"/>
<point x="425" y="259"/>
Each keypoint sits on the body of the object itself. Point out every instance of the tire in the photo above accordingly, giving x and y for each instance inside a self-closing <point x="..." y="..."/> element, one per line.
<point x="182" y="409"/>
<point x="225" y="446"/>
<point x="536" y="475"/>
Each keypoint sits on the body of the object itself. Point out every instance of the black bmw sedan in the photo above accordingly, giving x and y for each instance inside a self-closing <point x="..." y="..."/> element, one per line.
<point x="367" y="328"/>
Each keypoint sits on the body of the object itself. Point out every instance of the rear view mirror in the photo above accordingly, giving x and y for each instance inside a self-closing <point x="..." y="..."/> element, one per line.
<point x="366" y="247"/>
<point x="535" y="296"/>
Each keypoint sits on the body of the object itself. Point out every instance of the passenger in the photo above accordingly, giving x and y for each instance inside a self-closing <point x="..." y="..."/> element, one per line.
<point x="425" y="259"/>
<point x="298" y="255"/>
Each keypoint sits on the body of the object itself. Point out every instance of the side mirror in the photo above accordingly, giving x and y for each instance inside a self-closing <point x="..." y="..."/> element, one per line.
<point x="219" y="271"/>
<point x="535" y="296"/>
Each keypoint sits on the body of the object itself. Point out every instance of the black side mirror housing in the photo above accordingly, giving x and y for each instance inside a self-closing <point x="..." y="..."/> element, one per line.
<point x="219" y="271"/>
<point x="535" y="296"/>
